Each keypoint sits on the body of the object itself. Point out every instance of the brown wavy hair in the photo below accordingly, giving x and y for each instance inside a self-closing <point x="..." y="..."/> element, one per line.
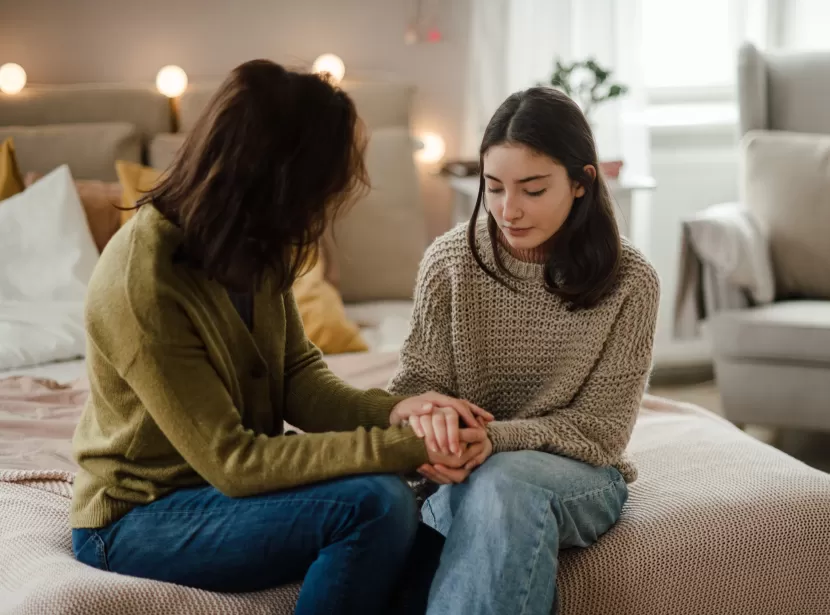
<point x="268" y="165"/>
<point x="584" y="260"/>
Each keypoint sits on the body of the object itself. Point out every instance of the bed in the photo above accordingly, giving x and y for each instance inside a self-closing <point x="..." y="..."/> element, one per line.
<point x="716" y="523"/>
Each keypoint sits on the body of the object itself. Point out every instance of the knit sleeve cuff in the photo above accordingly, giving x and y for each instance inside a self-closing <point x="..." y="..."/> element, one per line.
<point x="505" y="436"/>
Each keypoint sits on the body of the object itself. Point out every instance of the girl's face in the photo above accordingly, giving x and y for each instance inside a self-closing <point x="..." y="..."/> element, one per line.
<point x="529" y="194"/>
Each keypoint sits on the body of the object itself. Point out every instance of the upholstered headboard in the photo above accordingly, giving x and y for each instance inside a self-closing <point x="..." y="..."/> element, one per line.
<point x="380" y="104"/>
<point x="378" y="245"/>
<point x="88" y="127"/>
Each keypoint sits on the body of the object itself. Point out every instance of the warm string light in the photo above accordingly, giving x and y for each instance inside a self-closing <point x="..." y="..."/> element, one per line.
<point x="331" y="64"/>
<point x="171" y="81"/>
<point x="12" y="78"/>
<point x="431" y="148"/>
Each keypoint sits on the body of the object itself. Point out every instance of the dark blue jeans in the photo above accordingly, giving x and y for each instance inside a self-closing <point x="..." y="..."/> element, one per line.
<point x="349" y="540"/>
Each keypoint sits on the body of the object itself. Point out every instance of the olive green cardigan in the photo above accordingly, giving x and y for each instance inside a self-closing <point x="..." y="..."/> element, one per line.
<point x="183" y="394"/>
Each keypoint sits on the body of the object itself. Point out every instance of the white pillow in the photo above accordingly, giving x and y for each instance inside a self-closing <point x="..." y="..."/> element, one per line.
<point x="47" y="255"/>
<point x="46" y="248"/>
<point x="32" y="333"/>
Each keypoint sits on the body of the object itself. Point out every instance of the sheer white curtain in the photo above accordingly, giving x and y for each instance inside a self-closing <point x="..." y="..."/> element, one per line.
<point x="514" y="43"/>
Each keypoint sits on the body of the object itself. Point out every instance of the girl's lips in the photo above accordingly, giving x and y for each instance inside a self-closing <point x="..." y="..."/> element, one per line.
<point x="517" y="232"/>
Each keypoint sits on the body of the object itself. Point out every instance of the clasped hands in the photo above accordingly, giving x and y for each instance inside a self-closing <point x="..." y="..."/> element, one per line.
<point x="455" y="449"/>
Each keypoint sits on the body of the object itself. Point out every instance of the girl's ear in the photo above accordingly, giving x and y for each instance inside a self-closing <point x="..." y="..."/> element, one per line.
<point x="590" y="171"/>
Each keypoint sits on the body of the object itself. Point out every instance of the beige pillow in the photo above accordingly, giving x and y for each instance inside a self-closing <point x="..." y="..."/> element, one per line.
<point x="786" y="183"/>
<point x="90" y="150"/>
<point x="163" y="149"/>
<point x="380" y="241"/>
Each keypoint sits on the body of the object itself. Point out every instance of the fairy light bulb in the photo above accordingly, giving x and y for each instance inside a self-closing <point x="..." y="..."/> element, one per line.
<point x="331" y="64"/>
<point x="12" y="78"/>
<point x="171" y="81"/>
<point x="432" y="148"/>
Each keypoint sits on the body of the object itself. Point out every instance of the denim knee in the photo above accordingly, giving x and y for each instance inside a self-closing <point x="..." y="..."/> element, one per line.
<point x="498" y="489"/>
<point x="389" y="505"/>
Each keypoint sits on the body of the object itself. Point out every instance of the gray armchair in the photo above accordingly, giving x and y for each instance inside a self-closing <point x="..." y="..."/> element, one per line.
<point x="772" y="357"/>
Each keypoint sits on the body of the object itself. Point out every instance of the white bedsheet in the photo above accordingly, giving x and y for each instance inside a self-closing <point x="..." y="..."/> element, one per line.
<point x="383" y="324"/>
<point x="60" y="371"/>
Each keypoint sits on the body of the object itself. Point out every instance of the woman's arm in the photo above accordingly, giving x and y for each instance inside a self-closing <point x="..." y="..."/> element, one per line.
<point x="597" y="425"/>
<point x="316" y="400"/>
<point x="170" y="373"/>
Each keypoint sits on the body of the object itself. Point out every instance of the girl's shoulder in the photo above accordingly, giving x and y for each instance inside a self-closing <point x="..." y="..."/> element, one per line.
<point x="450" y="245"/>
<point x="636" y="274"/>
<point x="449" y="251"/>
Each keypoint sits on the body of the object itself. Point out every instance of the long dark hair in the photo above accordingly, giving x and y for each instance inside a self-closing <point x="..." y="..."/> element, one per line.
<point x="584" y="258"/>
<point x="272" y="159"/>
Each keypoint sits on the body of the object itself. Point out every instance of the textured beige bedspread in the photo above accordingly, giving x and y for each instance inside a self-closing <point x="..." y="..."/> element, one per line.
<point x="717" y="523"/>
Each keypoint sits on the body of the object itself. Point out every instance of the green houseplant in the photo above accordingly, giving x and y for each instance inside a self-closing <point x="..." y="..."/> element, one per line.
<point x="588" y="83"/>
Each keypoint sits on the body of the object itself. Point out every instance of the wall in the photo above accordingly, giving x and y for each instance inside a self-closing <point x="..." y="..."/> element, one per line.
<point x="694" y="167"/>
<point x="116" y="41"/>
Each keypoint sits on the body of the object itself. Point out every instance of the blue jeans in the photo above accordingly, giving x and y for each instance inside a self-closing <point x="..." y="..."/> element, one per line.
<point x="348" y="539"/>
<point x="505" y="525"/>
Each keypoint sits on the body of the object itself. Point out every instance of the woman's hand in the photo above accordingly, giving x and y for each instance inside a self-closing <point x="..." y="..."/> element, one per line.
<point x="479" y="448"/>
<point x="435" y="418"/>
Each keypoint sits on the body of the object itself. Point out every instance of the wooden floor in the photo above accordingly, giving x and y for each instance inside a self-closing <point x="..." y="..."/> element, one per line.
<point x="813" y="448"/>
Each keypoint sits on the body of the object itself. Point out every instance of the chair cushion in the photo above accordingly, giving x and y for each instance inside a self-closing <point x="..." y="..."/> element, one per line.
<point x="786" y="183"/>
<point x="785" y="331"/>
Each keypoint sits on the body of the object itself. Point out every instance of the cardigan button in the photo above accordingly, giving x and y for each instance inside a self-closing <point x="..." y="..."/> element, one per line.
<point x="257" y="372"/>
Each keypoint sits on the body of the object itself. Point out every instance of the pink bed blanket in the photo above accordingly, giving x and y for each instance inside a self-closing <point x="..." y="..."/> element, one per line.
<point x="717" y="522"/>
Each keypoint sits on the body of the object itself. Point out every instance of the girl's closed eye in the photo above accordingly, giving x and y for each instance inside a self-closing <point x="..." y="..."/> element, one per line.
<point x="494" y="190"/>
<point x="536" y="192"/>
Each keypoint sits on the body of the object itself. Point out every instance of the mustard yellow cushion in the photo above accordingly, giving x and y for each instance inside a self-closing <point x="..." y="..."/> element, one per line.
<point x="323" y="314"/>
<point x="11" y="180"/>
<point x="321" y="307"/>
<point x="135" y="179"/>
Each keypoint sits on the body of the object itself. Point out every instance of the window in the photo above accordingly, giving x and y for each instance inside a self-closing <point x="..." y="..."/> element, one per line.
<point x="805" y="25"/>
<point x="689" y="49"/>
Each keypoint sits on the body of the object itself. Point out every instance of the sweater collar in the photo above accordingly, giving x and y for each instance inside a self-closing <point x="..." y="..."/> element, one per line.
<point x="523" y="269"/>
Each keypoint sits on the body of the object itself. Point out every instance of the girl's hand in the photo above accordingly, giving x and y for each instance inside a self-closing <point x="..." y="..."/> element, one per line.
<point x="452" y="462"/>
<point x="479" y="448"/>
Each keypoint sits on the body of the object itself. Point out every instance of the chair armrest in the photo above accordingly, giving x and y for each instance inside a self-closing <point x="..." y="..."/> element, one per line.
<point x="728" y="238"/>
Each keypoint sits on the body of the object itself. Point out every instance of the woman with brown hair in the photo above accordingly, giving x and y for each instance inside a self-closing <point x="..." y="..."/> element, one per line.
<point x="196" y="355"/>
<point x="541" y="312"/>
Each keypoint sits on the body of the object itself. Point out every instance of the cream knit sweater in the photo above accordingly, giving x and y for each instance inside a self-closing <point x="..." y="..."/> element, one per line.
<point x="568" y="383"/>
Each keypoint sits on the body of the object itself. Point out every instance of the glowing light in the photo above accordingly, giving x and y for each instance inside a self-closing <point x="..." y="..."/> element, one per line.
<point x="171" y="81"/>
<point x="432" y="148"/>
<point x="12" y="78"/>
<point x="331" y="64"/>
